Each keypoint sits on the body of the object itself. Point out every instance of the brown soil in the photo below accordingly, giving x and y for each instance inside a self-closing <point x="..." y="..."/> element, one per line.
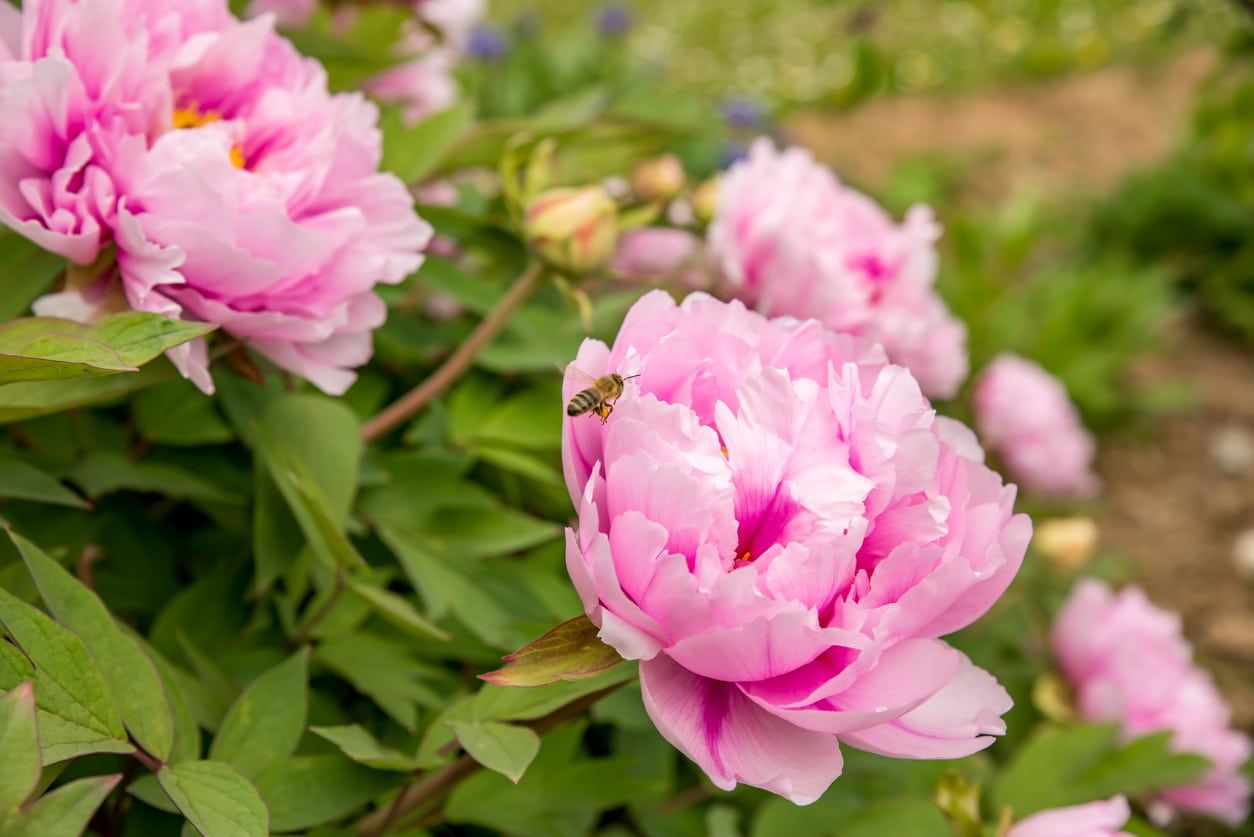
<point x="1169" y="505"/>
<point x="1079" y="133"/>
<point x="1173" y="508"/>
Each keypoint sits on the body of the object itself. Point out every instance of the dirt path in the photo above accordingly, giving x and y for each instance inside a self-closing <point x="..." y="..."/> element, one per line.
<point x="1170" y="506"/>
<point x="1079" y="133"/>
<point x="1177" y="501"/>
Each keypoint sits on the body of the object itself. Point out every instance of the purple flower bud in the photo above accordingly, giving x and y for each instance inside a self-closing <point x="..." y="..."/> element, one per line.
<point x="743" y="113"/>
<point x="487" y="44"/>
<point x="614" y="20"/>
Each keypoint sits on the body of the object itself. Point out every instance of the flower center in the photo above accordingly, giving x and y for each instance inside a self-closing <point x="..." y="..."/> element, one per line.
<point x="194" y="117"/>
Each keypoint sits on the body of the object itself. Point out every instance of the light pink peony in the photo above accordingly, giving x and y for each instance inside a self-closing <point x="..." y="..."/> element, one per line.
<point x="777" y="524"/>
<point x="234" y="187"/>
<point x="1023" y="413"/>
<point x="791" y="239"/>
<point x="1129" y="662"/>
<point x="1096" y="819"/>
<point x="659" y="254"/>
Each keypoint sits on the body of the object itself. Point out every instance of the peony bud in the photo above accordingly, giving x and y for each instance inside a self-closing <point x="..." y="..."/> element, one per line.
<point x="659" y="179"/>
<point x="705" y="201"/>
<point x="574" y="229"/>
<point x="1069" y="542"/>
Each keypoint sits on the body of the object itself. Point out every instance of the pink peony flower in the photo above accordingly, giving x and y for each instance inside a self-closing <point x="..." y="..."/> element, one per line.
<point x="1129" y="662"/>
<point x="1096" y="819"/>
<point x="234" y="187"/>
<point x="779" y="526"/>
<point x="791" y="239"/>
<point x="1023" y="413"/>
<point x="658" y="254"/>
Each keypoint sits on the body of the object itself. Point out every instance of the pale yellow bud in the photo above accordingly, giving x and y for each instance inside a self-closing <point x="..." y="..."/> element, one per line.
<point x="659" y="179"/>
<point x="574" y="229"/>
<point x="705" y="201"/>
<point x="1069" y="542"/>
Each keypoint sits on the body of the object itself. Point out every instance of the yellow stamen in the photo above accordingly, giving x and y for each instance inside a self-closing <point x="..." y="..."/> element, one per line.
<point x="723" y="448"/>
<point x="745" y="557"/>
<point x="194" y="117"/>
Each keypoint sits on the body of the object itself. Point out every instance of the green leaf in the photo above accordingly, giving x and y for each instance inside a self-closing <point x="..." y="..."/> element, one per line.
<point x="215" y="799"/>
<point x="22" y="401"/>
<point x="132" y="678"/>
<point x="267" y="721"/>
<point x="48" y="349"/>
<point x="19" y="748"/>
<point x="312" y="447"/>
<point x="68" y="685"/>
<point x="394" y="608"/>
<point x="176" y="413"/>
<point x="901" y="818"/>
<point x="505" y="748"/>
<point x="1070" y="766"/>
<point x="412" y="152"/>
<point x="307" y="791"/>
<point x="570" y="651"/>
<point x="20" y="480"/>
<point x="28" y="271"/>
<point x="65" y="811"/>
<point x="518" y="462"/>
<point x="381" y="668"/>
<point x="104" y="473"/>
<point x="362" y="747"/>
<point x="59" y="737"/>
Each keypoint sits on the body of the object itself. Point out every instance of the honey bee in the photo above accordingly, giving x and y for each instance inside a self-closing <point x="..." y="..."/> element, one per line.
<point x="599" y="396"/>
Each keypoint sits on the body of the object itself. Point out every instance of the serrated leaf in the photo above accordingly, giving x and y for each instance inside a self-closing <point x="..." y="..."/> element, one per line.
<point x="307" y="791"/>
<point x="20" y="480"/>
<point x="19" y="747"/>
<point x="394" y="608"/>
<point x="267" y="720"/>
<point x="505" y="748"/>
<point x="49" y="349"/>
<point x="132" y="678"/>
<point x="571" y="651"/>
<point x="68" y="682"/>
<point x="215" y="798"/>
<point x="363" y="748"/>
<point x="65" y="811"/>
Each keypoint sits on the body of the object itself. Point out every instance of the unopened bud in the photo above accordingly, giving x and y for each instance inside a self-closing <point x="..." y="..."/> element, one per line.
<point x="574" y="229"/>
<point x="705" y="201"/>
<point x="1069" y="542"/>
<point x="659" y="179"/>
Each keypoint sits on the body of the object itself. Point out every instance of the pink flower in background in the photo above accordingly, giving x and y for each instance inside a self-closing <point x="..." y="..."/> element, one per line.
<point x="235" y="188"/>
<point x="1096" y="819"/>
<point x="1023" y="413"/>
<point x="659" y="253"/>
<point x="791" y="239"/>
<point x="1129" y="662"/>
<point x="777" y="524"/>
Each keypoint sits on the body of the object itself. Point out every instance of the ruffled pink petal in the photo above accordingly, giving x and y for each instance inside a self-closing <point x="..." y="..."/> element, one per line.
<point x="733" y="740"/>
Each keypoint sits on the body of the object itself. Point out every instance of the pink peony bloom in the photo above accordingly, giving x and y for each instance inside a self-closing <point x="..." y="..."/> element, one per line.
<point x="1096" y="819"/>
<point x="792" y="240"/>
<point x="1129" y="662"/>
<point x="779" y="526"/>
<point x="1023" y="413"/>
<point x="659" y="254"/>
<point x="234" y="187"/>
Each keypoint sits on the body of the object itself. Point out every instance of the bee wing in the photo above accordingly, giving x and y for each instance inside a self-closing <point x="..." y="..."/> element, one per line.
<point x="581" y="378"/>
